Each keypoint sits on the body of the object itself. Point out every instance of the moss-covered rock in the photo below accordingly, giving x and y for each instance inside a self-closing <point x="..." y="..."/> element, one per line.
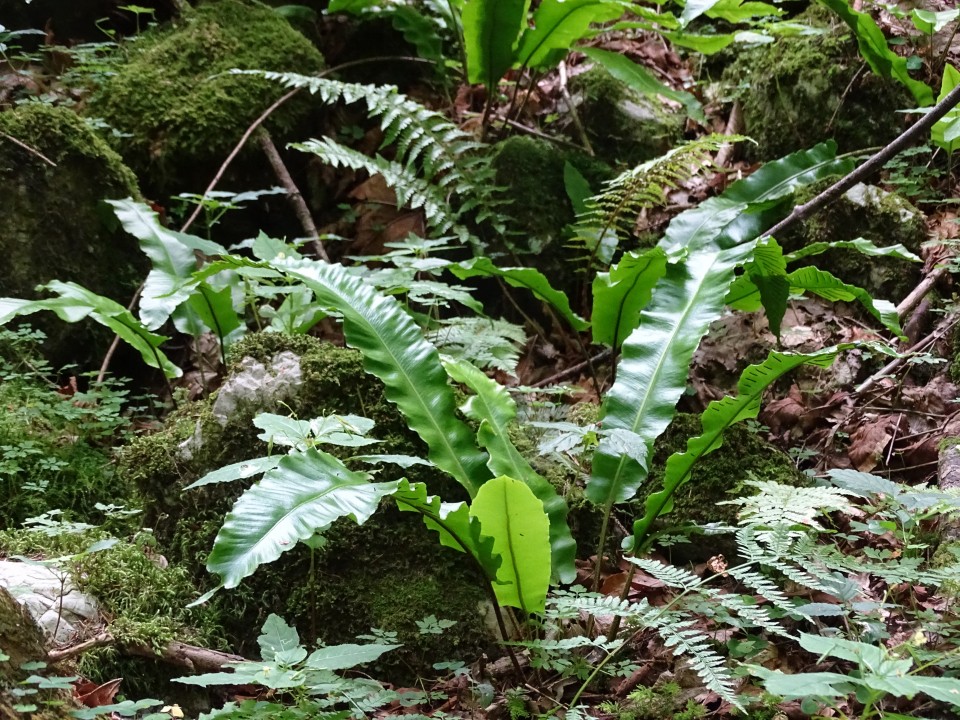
<point x="387" y="573"/>
<point x="532" y="173"/>
<point x="805" y="89"/>
<point x="870" y="212"/>
<point x="624" y="126"/>
<point x="181" y="109"/>
<point x="54" y="225"/>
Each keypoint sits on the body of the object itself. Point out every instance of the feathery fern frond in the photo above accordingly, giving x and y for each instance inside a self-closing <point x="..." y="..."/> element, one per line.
<point x="694" y="645"/>
<point x="776" y="504"/>
<point x="612" y="214"/>
<point x="484" y="342"/>
<point x="412" y="191"/>
<point x="442" y="154"/>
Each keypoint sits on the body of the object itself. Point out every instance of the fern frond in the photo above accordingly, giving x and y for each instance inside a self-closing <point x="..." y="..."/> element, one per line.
<point x="671" y="575"/>
<point x="442" y="154"/>
<point x="764" y="587"/>
<point x="695" y="646"/>
<point x="612" y="214"/>
<point x="563" y="605"/>
<point x="484" y="342"/>
<point x="412" y="191"/>
<point x="776" y="504"/>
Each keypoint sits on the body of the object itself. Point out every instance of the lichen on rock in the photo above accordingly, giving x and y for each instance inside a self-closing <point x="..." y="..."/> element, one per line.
<point x="176" y="103"/>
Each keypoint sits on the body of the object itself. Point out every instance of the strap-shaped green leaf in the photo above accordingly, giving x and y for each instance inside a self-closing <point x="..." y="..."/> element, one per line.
<point x="704" y="245"/>
<point x="829" y="287"/>
<point x="764" y="282"/>
<point x="496" y="411"/>
<point x="873" y="46"/>
<point x="720" y="415"/>
<point x="491" y="31"/>
<point x="522" y="277"/>
<point x="76" y="303"/>
<point x="558" y="25"/>
<point x="452" y="522"/>
<point x="395" y="351"/>
<point x="512" y="515"/>
<point x="863" y="246"/>
<point x="620" y="295"/>
<point x="303" y="494"/>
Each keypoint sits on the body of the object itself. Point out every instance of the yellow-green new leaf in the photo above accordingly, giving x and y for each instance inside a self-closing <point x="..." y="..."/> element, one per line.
<point x="512" y="515"/>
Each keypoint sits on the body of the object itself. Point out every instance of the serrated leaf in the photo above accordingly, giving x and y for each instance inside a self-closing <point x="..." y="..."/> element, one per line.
<point x="496" y="411"/>
<point x="395" y="351"/>
<point x="304" y="493"/>
<point x="521" y="277"/>
<point x="512" y="515"/>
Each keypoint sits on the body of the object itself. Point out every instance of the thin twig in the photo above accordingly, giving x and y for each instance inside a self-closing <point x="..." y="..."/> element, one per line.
<point x="915" y="131"/>
<point x="300" y="208"/>
<point x="734" y="126"/>
<point x="573" y="369"/>
<point x="574" y="115"/>
<point x="32" y="151"/>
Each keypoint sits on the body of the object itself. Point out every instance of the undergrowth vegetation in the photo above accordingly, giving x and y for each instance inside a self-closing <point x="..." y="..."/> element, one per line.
<point x="833" y="597"/>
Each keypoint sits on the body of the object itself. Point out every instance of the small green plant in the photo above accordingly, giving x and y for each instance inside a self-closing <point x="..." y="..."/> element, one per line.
<point x="311" y="680"/>
<point x="659" y="702"/>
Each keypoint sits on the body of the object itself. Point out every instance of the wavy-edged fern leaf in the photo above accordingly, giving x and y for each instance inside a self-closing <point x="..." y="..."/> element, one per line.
<point x="612" y="214"/>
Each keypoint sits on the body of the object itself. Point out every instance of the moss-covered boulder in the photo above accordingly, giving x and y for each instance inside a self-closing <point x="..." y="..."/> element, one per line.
<point x="54" y="224"/>
<point x="870" y="212"/>
<point x="531" y="171"/>
<point x="805" y="89"/>
<point x="178" y="106"/>
<point x="387" y="573"/>
<point x="624" y="126"/>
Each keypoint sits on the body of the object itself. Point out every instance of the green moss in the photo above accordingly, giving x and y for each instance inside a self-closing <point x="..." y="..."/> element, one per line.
<point x="869" y="212"/>
<point x="385" y="573"/>
<point x="182" y="111"/>
<point x="531" y="172"/>
<point x="624" y="127"/>
<point x="54" y="225"/>
<point x="805" y="89"/>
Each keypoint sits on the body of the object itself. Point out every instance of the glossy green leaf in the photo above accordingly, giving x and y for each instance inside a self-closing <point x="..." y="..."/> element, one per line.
<point x="522" y="277"/>
<point x="496" y="412"/>
<point x="395" y="351"/>
<point x="861" y="245"/>
<point x="76" y="303"/>
<point x="704" y="44"/>
<point x="512" y="515"/>
<point x="453" y="524"/>
<point x="491" y="33"/>
<point x="277" y="636"/>
<point x="642" y="80"/>
<point x="620" y="295"/>
<point x="824" y="284"/>
<point x="557" y="27"/>
<point x="930" y="23"/>
<point x="214" y="308"/>
<point x="738" y="11"/>
<point x="718" y="416"/>
<point x="303" y="494"/>
<point x="945" y="133"/>
<point x="873" y="46"/>
<point x="693" y="9"/>
<point x="237" y="471"/>
<point x="704" y="245"/>
<point x="765" y="283"/>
